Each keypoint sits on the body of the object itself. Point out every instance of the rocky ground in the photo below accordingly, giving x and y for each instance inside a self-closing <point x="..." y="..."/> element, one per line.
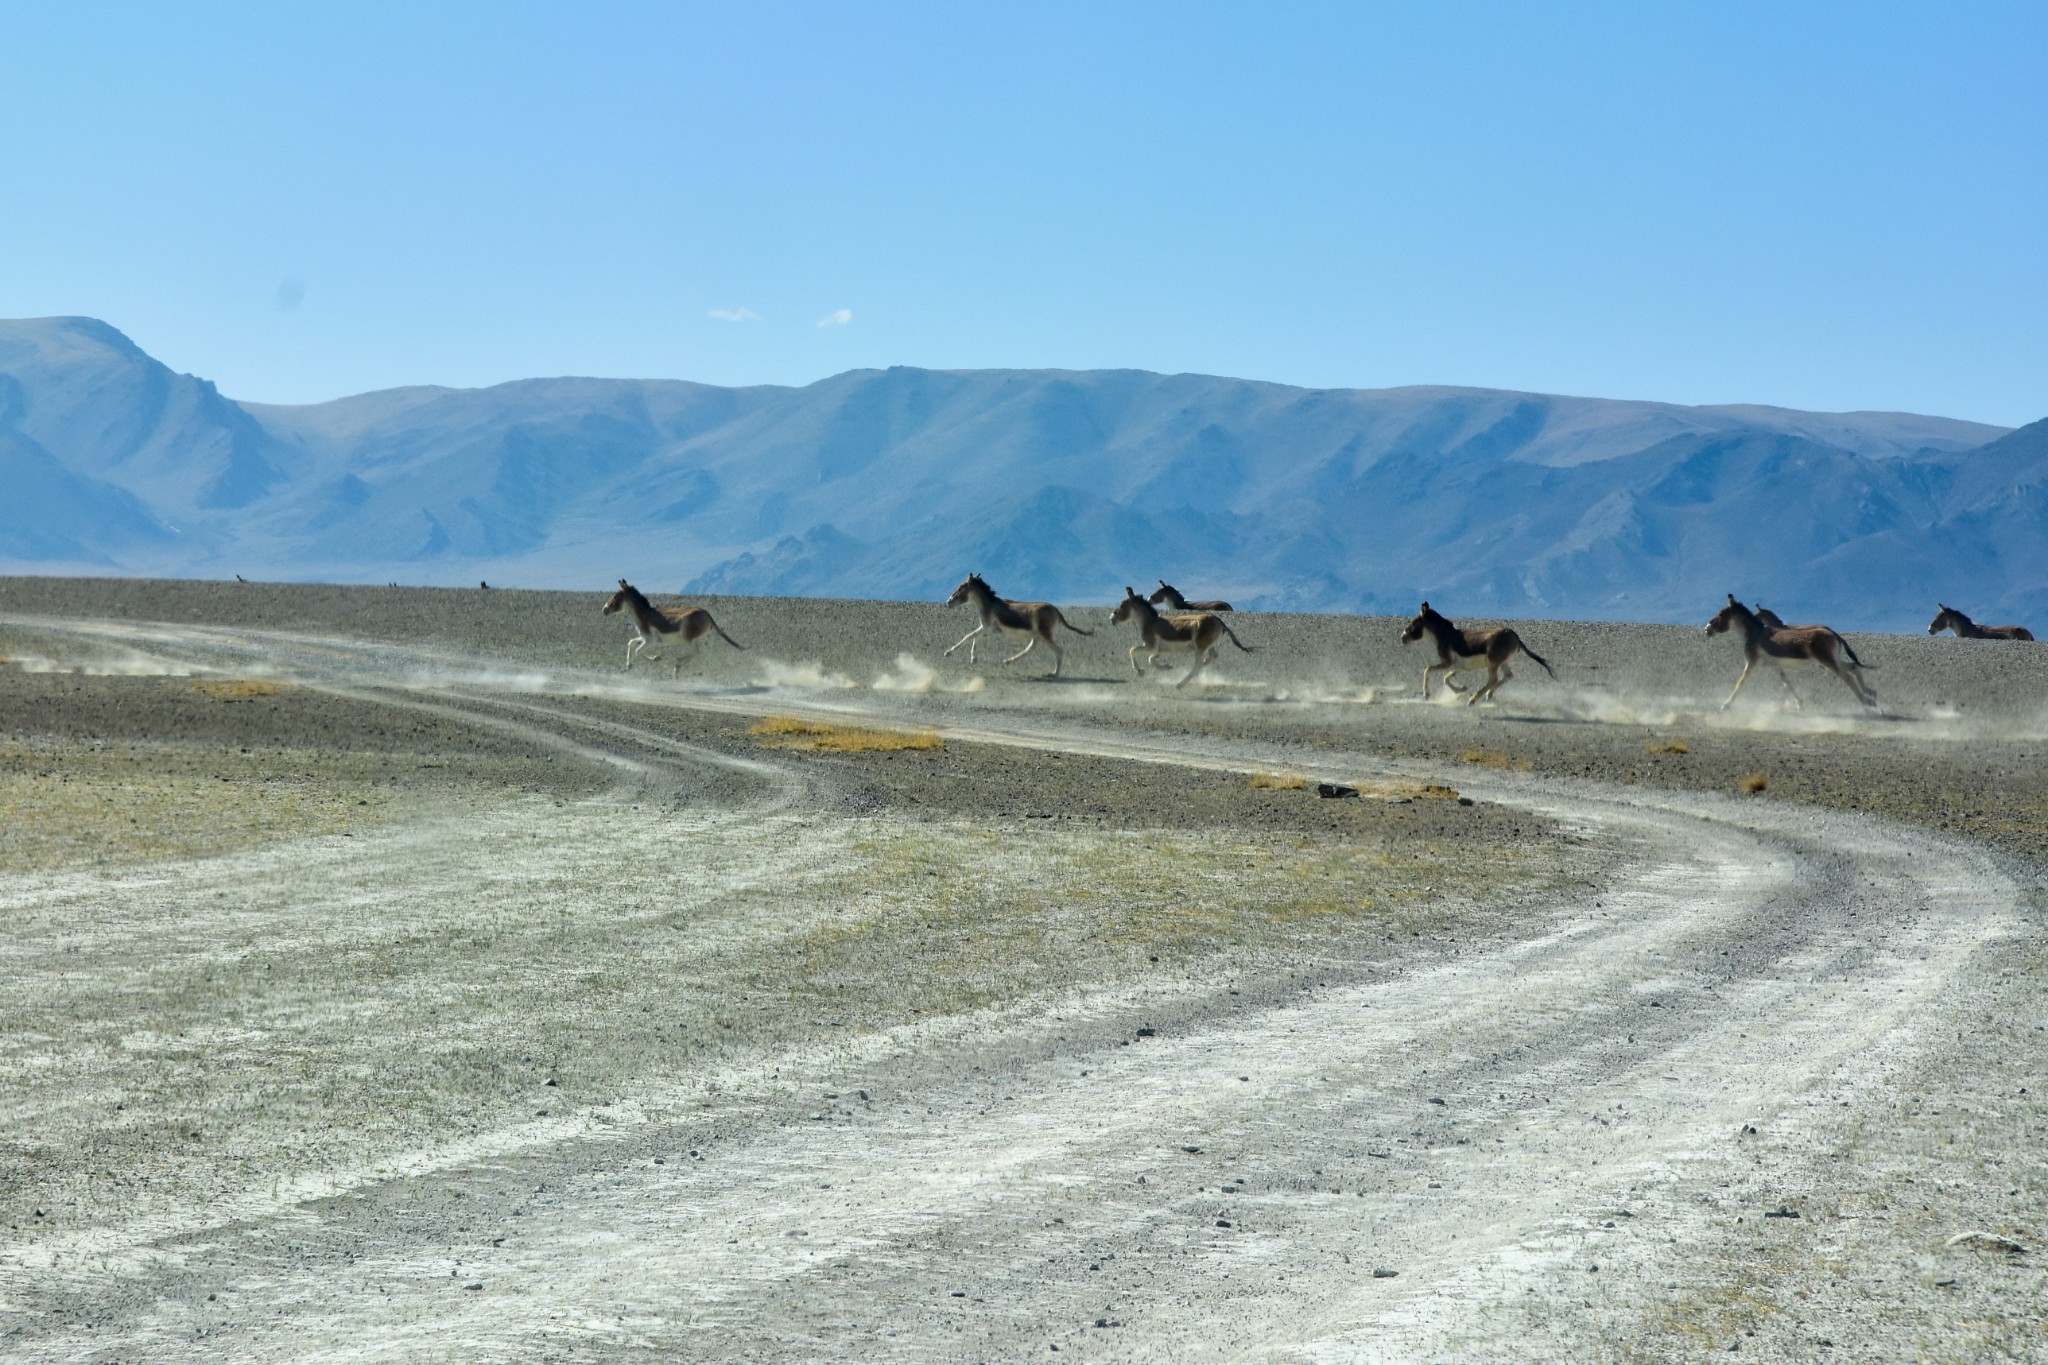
<point x="394" y="976"/>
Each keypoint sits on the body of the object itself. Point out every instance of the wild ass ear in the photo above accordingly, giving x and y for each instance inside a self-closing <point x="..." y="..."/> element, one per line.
<point x="622" y="582"/>
<point x="1425" y="606"/>
<point x="1731" y="599"/>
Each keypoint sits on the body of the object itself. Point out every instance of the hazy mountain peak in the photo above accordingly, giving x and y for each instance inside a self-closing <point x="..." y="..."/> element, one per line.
<point x="1057" y="483"/>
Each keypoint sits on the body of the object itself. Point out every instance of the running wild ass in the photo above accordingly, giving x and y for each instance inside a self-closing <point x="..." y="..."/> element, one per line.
<point x="651" y="623"/>
<point x="1201" y="634"/>
<point x="1468" y="651"/>
<point x="1033" y="620"/>
<point x="1818" y="644"/>
<point x="1170" y="595"/>
<point x="1966" y="629"/>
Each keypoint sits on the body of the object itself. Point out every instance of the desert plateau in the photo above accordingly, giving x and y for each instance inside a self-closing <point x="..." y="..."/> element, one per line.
<point x="393" y="975"/>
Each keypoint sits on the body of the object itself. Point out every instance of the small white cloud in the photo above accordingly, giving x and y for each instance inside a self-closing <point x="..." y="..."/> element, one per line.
<point x="838" y="319"/>
<point x="735" y="315"/>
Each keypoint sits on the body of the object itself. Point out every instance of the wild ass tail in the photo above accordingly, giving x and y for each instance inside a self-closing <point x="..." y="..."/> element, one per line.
<point x="723" y="636"/>
<point x="1537" y="657"/>
<point x="1233" y="635"/>
<point x="1069" y="624"/>
<point x="1850" y="650"/>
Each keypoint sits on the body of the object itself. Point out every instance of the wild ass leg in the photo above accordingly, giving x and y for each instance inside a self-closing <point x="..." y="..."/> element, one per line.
<point x="1059" y="656"/>
<point x="1493" y="684"/>
<point x="1853" y="680"/>
<point x="1029" y="645"/>
<point x="1134" y="660"/>
<point x="1485" y="689"/>
<point x="1786" y="679"/>
<point x="1193" y="673"/>
<point x="965" y="638"/>
<point x="1746" y="666"/>
<point x="633" y="647"/>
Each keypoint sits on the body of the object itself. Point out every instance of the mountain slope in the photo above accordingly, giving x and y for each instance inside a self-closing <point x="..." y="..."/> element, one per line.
<point x="89" y="395"/>
<point x="1063" y="484"/>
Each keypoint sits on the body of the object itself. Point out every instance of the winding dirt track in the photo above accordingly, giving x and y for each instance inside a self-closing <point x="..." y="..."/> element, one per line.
<point x="1483" y="1118"/>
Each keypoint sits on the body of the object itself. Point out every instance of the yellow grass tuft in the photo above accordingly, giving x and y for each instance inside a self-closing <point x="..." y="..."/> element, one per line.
<point x="1676" y="746"/>
<point x="792" y="732"/>
<point x="1285" y="782"/>
<point x="1436" y="792"/>
<point x="1493" y="758"/>
<point x="1753" y="783"/>
<point x="785" y="725"/>
<point x="237" y="691"/>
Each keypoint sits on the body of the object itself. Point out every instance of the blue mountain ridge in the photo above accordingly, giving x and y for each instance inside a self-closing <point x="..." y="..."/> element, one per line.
<point x="1055" y="484"/>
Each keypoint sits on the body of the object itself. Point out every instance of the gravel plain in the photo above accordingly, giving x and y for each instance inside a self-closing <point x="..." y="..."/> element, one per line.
<point x="393" y="977"/>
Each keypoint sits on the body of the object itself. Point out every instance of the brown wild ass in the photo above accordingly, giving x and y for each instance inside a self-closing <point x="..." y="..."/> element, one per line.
<point x="1468" y="651"/>
<point x="1966" y="629"/>
<point x="651" y="623"/>
<point x="1034" y="620"/>
<point x="1201" y="634"/>
<point x="1774" y="621"/>
<point x="1816" y="643"/>
<point x="1171" y="596"/>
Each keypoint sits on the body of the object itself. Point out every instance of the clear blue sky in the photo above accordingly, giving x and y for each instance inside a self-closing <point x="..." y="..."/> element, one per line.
<point x="1815" y="205"/>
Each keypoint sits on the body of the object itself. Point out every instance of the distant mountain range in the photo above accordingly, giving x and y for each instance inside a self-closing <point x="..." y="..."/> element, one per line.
<point x="1059" y="484"/>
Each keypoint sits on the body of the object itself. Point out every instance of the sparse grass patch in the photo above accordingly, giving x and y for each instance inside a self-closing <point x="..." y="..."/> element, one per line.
<point x="1752" y="783"/>
<point x="1085" y="904"/>
<point x="240" y="690"/>
<point x="784" y="725"/>
<point x="1409" y="791"/>
<point x="1493" y="758"/>
<point x="1285" y="782"/>
<point x="792" y="732"/>
<point x="1676" y="746"/>
<point x="66" y="803"/>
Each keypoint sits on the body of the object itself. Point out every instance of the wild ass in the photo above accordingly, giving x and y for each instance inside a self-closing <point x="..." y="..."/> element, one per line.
<point x="1201" y="634"/>
<point x="1468" y="651"/>
<point x="651" y="623"/>
<point x="1170" y="595"/>
<point x="1816" y="643"/>
<point x="1966" y="629"/>
<point x="1034" y="620"/>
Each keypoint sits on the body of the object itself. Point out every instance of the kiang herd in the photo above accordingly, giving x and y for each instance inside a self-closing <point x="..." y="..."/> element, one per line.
<point x="1199" y="630"/>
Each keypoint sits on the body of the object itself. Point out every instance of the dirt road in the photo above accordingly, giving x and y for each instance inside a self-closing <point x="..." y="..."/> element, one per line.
<point x="1704" y="1073"/>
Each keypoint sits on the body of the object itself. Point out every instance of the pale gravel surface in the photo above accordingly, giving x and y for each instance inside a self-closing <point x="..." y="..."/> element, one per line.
<point x="1759" y="1007"/>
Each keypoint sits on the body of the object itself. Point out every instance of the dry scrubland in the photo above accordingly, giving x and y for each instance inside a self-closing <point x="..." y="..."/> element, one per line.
<point x="381" y="960"/>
